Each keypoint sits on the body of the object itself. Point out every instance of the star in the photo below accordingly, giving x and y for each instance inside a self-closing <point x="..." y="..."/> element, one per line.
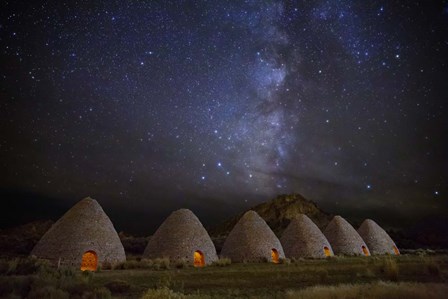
<point x="232" y="101"/>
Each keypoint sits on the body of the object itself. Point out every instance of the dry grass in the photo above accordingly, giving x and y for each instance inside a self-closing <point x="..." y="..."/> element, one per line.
<point x="118" y="286"/>
<point x="376" y="290"/>
<point x="162" y="293"/>
<point x="285" y="261"/>
<point x="222" y="262"/>
<point x="24" y="278"/>
<point x="433" y="267"/>
<point x="33" y="278"/>
<point x="183" y="263"/>
<point x="21" y="266"/>
<point x="390" y="269"/>
<point x="380" y="290"/>
<point x="155" y="264"/>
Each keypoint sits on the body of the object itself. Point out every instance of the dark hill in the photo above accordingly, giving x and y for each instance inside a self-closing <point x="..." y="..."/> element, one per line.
<point x="278" y="213"/>
<point x="21" y="239"/>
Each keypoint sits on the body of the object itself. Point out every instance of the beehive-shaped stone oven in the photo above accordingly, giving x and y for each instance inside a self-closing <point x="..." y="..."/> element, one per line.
<point x="252" y="240"/>
<point x="376" y="238"/>
<point x="83" y="237"/>
<point x="344" y="239"/>
<point x="182" y="237"/>
<point x="302" y="238"/>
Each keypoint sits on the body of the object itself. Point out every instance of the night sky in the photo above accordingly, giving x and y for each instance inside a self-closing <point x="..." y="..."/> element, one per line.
<point x="150" y="106"/>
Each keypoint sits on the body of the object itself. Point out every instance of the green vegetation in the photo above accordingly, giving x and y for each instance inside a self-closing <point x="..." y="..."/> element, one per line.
<point x="407" y="276"/>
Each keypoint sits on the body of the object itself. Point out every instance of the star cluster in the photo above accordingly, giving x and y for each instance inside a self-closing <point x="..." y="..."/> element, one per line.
<point x="217" y="105"/>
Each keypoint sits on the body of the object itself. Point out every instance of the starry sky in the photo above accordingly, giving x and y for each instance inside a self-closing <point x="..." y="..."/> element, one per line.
<point x="150" y="106"/>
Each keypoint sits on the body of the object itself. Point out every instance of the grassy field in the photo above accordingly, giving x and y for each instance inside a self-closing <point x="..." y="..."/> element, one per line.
<point x="353" y="277"/>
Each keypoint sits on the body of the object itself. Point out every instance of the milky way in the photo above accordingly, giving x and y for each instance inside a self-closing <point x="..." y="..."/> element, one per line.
<point x="220" y="105"/>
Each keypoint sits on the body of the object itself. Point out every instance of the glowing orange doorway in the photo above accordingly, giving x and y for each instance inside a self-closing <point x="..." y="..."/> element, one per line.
<point x="365" y="250"/>
<point x="397" y="252"/>
<point x="199" y="260"/>
<point x="275" y="256"/>
<point x="327" y="251"/>
<point x="89" y="261"/>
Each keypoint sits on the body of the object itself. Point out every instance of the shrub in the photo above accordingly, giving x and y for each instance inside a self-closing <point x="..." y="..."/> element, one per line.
<point x="162" y="293"/>
<point x="102" y="293"/>
<point x="424" y="252"/>
<point x="22" y="266"/>
<point x="118" y="286"/>
<point x="285" y="261"/>
<point x="156" y="264"/>
<point x="48" y="292"/>
<point x="45" y="281"/>
<point x="46" y="277"/>
<point x="369" y="273"/>
<point x="132" y="264"/>
<point x="68" y="271"/>
<point x="87" y="276"/>
<point x="390" y="269"/>
<point x="165" y="264"/>
<point x="183" y="263"/>
<point x="165" y="281"/>
<point x="380" y="290"/>
<point x="323" y="275"/>
<point x="75" y="285"/>
<point x="146" y="263"/>
<point x="222" y="262"/>
<point x="433" y="268"/>
<point x="12" y="266"/>
<point x="65" y="278"/>
<point x="372" y="260"/>
<point x="29" y="265"/>
<point x="118" y="266"/>
<point x="161" y="263"/>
